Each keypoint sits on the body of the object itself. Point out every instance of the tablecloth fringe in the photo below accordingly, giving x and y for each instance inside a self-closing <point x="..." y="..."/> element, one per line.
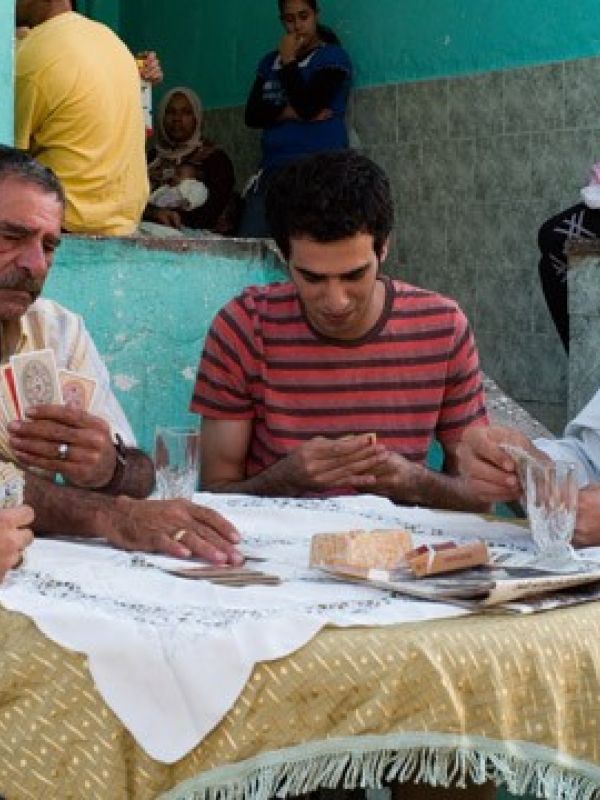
<point x="436" y="766"/>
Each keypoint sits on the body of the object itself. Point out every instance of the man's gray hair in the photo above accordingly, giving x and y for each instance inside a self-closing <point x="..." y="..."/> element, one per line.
<point x="18" y="164"/>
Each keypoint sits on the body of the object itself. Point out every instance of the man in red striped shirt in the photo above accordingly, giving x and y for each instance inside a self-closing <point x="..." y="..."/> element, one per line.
<point x="296" y="377"/>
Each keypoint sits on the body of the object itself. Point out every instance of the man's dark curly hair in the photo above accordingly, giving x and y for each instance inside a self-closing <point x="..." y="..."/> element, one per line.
<point x="328" y="197"/>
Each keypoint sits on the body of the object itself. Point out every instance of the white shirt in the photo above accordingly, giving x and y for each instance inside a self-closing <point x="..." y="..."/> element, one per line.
<point x="47" y="324"/>
<point x="579" y="444"/>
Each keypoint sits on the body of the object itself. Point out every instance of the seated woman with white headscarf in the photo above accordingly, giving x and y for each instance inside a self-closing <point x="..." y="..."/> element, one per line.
<point x="192" y="179"/>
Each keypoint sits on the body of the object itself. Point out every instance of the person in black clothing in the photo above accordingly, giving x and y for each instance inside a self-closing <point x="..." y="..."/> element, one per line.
<point x="299" y="99"/>
<point x="576" y="222"/>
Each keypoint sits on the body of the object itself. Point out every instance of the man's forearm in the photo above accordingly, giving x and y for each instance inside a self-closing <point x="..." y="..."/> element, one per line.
<point x="271" y="482"/>
<point x="67" y="509"/>
<point x="437" y="490"/>
<point x="134" y="475"/>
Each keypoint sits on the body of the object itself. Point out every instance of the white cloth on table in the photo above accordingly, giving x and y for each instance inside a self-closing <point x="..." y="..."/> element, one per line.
<point x="169" y="655"/>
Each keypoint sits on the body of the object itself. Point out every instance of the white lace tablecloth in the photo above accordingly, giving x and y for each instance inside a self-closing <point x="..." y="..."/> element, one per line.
<point x="170" y="655"/>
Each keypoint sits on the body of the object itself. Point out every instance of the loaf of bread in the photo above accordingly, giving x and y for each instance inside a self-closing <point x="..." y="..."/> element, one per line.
<point x="376" y="549"/>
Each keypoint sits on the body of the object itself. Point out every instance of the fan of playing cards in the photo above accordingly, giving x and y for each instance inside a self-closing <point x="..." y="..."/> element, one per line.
<point x="32" y="379"/>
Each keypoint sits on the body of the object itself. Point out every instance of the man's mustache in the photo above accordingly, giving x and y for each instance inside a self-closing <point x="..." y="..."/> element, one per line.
<point x="22" y="282"/>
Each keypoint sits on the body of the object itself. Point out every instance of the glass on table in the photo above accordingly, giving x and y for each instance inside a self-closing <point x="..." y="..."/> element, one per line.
<point x="551" y="492"/>
<point x="176" y="461"/>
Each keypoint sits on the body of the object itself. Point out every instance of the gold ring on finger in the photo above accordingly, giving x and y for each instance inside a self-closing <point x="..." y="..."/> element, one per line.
<point x="178" y="535"/>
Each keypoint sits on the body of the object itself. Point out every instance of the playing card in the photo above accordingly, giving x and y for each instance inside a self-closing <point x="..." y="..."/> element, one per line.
<point x="9" y="394"/>
<point x="77" y="390"/>
<point x="36" y="379"/>
<point x="11" y="485"/>
<point x="5" y="417"/>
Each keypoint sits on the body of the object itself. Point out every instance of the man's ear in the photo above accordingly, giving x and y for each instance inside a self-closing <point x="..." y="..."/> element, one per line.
<point x="385" y="249"/>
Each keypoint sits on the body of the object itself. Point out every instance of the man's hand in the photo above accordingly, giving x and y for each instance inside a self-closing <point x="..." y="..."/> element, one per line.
<point x="90" y="457"/>
<point x="15" y="535"/>
<point x="151" y="70"/>
<point x="173" y="527"/>
<point x="321" y="464"/>
<point x="490" y="473"/>
<point x="587" y="522"/>
<point x="395" y="477"/>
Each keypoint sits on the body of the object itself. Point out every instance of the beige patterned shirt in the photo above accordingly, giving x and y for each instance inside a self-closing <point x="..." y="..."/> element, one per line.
<point x="47" y="324"/>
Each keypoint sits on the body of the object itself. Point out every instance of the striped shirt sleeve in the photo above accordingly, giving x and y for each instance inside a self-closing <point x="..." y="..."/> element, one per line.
<point x="226" y="370"/>
<point x="463" y="402"/>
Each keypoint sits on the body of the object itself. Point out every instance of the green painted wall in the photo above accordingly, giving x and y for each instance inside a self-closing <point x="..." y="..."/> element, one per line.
<point x="6" y="70"/>
<point x="214" y="45"/>
<point x="107" y="11"/>
<point x="148" y="307"/>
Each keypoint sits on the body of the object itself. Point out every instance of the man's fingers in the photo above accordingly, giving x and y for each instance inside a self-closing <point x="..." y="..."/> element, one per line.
<point x="29" y="434"/>
<point x="213" y="520"/>
<point x="66" y="468"/>
<point x="491" y="492"/>
<point x="16" y="517"/>
<point x="12" y="544"/>
<point x="203" y="545"/>
<point x="49" y="451"/>
<point x="197" y="547"/>
<point x="67" y="415"/>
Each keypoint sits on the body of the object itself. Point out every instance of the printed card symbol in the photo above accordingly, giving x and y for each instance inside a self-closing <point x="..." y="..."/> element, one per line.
<point x="38" y="386"/>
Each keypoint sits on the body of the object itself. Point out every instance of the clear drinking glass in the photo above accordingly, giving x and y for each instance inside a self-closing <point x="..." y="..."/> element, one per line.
<point x="551" y="509"/>
<point x="177" y="461"/>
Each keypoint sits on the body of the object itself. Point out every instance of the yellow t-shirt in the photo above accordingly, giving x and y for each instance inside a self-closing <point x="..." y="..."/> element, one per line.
<point x="78" y="111"/>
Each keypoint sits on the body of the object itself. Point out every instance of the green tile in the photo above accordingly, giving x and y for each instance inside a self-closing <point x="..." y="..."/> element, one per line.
<point x="422" y="110"/>
<point x="374" y="115"/>
<point x="421" y="234"/>
<point x="448" y="173"/>
<point x="582" y="92"/>
<point x="534" y="99"/>
<point x="503" y="169"/>
<point x="561" y="162"/>
<point x="475" y="105"/>
<point x="403" y="165"/>
<point x="528" y="367"/>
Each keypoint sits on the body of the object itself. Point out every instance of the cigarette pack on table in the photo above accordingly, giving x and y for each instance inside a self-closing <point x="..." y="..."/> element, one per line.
<point x="431" y="559"/>
<point x="383" y="549"/>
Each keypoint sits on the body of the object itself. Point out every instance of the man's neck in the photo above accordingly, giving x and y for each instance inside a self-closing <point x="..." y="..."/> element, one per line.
<point x="49" y="10"/>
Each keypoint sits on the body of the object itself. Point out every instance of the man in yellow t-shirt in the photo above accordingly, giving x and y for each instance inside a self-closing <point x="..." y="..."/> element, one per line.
<point x="78" y="111"/>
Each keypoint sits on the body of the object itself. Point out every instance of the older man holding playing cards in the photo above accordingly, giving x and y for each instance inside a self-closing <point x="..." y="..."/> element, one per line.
<point x="104" y="477"/>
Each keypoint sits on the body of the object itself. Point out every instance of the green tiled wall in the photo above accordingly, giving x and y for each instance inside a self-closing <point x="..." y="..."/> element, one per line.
<point x="477" y="163"/>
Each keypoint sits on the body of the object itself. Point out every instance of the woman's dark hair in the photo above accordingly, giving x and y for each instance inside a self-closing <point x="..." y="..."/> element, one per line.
<point x="326" y="34"/>
<point x="328" y="197"/>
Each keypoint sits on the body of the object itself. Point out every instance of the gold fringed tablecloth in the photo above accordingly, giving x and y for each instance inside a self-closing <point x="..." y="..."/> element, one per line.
<point x="516" y="698"/>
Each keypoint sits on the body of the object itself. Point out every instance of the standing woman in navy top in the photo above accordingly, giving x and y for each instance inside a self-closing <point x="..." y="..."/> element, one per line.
<point x="299" y="99"/>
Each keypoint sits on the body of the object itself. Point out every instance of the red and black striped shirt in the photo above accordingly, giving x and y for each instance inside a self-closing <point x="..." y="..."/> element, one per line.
<point x="414" y="377"/>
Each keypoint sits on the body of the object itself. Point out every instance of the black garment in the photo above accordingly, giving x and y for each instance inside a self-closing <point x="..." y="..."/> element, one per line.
<point x="577" y="222"/>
